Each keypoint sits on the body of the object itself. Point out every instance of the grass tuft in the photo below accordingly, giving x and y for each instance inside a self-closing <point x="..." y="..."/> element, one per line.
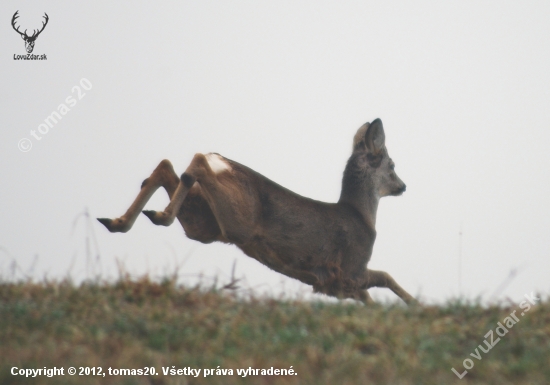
<point x="142" y="323"/>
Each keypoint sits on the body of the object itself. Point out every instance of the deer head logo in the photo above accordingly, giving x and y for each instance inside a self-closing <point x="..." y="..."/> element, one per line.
<point x="29" y="40"/>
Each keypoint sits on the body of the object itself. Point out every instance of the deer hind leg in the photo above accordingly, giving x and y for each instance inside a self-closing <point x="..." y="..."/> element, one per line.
<point x="229" y="206"/>
<point x="197" y="169"/>
<point x="382" y="279"/>
<point x="162" y="176"/>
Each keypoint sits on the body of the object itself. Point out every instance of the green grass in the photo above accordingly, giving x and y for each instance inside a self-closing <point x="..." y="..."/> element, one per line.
<point x="137" y="324"/>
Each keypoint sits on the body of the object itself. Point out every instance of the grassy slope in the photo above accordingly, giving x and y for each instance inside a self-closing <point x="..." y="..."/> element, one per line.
<point x="136" y="324"/>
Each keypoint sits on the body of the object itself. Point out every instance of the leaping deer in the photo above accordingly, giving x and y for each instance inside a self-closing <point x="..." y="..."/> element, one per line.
<point x="326" y="245"/>
<point x="29" y="40"/>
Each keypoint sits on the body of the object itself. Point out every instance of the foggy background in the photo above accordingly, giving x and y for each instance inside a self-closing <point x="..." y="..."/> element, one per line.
<point x="462" y="87"/>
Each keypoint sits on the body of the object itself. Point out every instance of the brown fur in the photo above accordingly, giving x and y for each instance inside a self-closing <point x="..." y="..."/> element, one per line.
<point x="326" y="245"/>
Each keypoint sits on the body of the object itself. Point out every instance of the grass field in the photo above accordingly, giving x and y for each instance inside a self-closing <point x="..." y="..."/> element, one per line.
<point x="136" y="324"/>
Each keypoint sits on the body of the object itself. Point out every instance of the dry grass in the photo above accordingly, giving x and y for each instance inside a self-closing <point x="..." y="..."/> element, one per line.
<point x="136" y="324"/>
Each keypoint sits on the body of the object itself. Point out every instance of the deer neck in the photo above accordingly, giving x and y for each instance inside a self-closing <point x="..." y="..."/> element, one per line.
<point x="358" y="190"/>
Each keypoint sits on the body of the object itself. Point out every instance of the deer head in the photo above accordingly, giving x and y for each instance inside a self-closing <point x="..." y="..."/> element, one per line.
<point x="370" y="163"/>
<point x="29" y="40"/>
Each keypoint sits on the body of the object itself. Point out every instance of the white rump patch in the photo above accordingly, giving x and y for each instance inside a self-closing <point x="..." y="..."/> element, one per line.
<point x="217" y="163"/>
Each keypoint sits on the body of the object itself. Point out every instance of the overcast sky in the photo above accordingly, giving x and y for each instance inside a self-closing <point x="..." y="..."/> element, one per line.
<point x="462" y="87"/>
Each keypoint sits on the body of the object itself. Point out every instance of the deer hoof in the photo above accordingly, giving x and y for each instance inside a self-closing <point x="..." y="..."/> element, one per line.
<point x="114" y="226"/>
<point x="412" y="302"/>
<point x="158" y="218"/>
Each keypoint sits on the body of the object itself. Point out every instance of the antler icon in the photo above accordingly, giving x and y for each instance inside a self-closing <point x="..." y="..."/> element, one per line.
<point x="29" y="40"/>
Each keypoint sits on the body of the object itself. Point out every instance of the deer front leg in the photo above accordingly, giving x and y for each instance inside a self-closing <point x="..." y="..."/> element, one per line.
<point x="364" y="297"/>
<point x="162" y="176"/>
<point x="382" y="279"/>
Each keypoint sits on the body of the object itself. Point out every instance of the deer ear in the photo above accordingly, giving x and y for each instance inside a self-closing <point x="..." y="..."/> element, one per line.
<point x="375" y="138"/>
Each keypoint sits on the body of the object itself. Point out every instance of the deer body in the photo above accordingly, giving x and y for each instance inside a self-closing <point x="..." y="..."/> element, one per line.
<point x="326" y="245"/>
